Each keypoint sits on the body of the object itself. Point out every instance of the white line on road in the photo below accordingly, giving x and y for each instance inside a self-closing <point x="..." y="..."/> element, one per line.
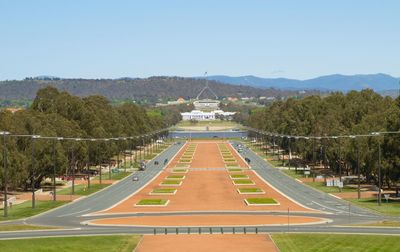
<point x="64" y="215"/>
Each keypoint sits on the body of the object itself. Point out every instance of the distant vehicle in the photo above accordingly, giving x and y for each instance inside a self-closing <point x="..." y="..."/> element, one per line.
<point x="215" y="136"/>
<point x="156" y="162"/>
<point x="142" y="165"/>
<point x="247" y="160"/>
<point x="166" y="161"/>
<point x="135" y="178"/>
<point x="240" y="150"/>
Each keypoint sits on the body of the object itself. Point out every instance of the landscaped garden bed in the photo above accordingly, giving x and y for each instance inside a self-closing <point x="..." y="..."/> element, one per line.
<point x="179" y="170"/>
<point x="152" y="202"/>
<point x="261" y="201"/>
<point x="175" y="177"/>
<point x="230" y="160"/>
<point x="163" y="191"/>
<point x="171" y="183"/>
<point x="243" y="182"/>
<point x="182" y="165"/>
<point x="250" y="191"/>
<point x="235" y="170"/>
<point x="239" y="176"/>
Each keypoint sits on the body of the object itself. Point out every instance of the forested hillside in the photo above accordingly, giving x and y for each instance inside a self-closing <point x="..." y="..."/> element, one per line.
<point x="152" y="89"/>
<point x="338" y="114"/>
<point x="60" y="114"/>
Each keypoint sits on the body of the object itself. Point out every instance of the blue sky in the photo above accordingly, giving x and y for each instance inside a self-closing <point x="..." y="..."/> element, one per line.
<point x="111" y="39"/>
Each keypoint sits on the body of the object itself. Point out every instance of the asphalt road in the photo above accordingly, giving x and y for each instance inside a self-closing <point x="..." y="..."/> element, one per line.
<point x="72" y="216"/>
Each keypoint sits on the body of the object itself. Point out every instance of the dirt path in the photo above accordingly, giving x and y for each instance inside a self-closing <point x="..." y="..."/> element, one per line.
<point x="201" y="243"/>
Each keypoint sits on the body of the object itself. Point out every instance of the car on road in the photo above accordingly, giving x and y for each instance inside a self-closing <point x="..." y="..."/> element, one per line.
<point x="135" y="178"/>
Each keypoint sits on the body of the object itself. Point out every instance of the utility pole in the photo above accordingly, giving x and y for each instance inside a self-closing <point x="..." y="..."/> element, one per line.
<point x="379" y="175"/>
<point x="5" y="133"/>
<point x="358" y="174"/>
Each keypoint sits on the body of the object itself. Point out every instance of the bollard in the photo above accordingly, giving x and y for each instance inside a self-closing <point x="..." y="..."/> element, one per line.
<point x="210" y="230"/>
<point x="256" y="230"/>
<point x="165" y="231"/>
<point x="188" y="230"/>
<point x="155" y="231"/>
<point x="244" y="230"/>
<point x="177" y="231"/>
<point x="233" y="230"/>
<point x="222" y="230"/>
<point x="199" y="230"/>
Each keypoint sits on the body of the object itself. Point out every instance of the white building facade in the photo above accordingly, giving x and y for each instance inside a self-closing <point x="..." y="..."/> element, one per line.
<point x="206" y="116"/>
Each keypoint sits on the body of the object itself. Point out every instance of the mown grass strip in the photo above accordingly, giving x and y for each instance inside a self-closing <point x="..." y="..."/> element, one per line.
<point x="243" y="182"/>
<point x="261" y="201"/>
<point x="250" y="190"/>
<point x="109" y="243"/>
<point x="239" y="176"/>
<point x="164" y="190"/>
<point x="152" y="202"/>
<point x="335" y="242"/>
<point x="25" y="210"/>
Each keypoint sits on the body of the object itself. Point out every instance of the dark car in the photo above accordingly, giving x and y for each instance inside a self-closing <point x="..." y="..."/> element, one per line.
<point x="156" y="162"/>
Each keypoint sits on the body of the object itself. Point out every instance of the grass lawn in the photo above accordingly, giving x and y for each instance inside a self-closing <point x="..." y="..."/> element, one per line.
<point x="23" y="227"/>
<point x="185" y="160"/>
<point x="82" y="189"/>
<point x="179" y="170"/>
<point x="261" y="201"/>
<point x="181" y="165"/>
<point x="114" y="243"/>
<point x="171" y="182"/>
<point x="114" y="176"/>
<point x="293" y="174"/>
<point x="239" y="176"/>
<point x="176" y="177"/>
<point x="336" y="242"/>
<point x="152" y="202"/>
<point x="232" y="165"/>
<point x="329" y="189"/>
<point x="234" y="170"/>
<point x="164" y="190"/>
<point x="382" y="224"/>
<point x="243" y="182"/>
<point x="229" y="160"/>
<point x="392" y="208"/>
<point x="250" y="190"/>
<point x="24" y="210"/>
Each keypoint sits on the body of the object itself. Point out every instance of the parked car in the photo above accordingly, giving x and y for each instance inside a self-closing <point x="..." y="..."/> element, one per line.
<point x="135" y="178"/>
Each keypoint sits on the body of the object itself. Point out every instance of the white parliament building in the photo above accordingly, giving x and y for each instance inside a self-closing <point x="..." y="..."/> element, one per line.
<point x="206" y="116"/>
<point x="207" y="109"/>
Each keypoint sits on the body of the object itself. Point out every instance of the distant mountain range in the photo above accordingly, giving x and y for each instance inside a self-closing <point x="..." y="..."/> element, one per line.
<point x="335" y="82"/>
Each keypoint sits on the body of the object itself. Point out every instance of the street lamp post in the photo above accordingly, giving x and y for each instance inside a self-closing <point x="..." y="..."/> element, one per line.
<point x="55" y="167"/>
<point x="289" y="152"/>
<point x="5" y="175"/>
<point x="379" y="175"/>
<point x="33" y="171"/>
<point x="358" y="169"/>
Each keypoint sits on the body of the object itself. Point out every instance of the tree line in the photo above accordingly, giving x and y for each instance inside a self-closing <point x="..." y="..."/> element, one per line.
<point x="59" y="114"/>
<point x="147" y="90"/>
<point x="338" y="114"/>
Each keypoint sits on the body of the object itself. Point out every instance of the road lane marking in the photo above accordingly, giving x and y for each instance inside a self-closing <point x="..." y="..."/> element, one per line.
<point x="64" y="215"/>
